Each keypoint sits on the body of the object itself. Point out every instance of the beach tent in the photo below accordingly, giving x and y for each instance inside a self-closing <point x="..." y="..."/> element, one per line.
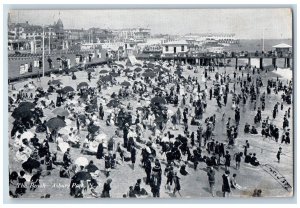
<point x="131" y="61"/>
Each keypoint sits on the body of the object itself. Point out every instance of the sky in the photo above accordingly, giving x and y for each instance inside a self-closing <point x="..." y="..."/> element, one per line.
<point x="245" y="23"/>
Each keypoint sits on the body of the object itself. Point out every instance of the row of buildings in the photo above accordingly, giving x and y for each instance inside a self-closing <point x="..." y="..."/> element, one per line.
<point x="25" y="36"/>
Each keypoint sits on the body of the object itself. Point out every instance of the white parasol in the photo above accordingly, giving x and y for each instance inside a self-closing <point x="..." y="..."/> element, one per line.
<point x="81" y="161"/>
<point x="63" y="146"/>
<point x="27" y="135"/>
<point x="101" y="137"/>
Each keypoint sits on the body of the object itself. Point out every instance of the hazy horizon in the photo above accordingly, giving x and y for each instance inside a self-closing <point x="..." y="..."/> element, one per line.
<point x="245" y="23"/>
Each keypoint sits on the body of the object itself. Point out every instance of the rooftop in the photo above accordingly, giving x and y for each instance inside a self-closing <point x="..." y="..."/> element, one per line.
<point x="282" y="45"/>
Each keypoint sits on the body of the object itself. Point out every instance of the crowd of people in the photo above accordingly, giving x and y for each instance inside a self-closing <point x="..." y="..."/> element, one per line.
<point x="160" y="120"/>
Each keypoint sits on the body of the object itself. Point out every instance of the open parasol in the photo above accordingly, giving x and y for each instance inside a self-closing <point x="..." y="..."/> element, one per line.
<point x="55" y="123"/>
<point x="82" y="161"/>
<point x="158" y="100"/>
<point x="125" y="83"/>
<point x="82" y="85"/>
<point x="60" y="112"/>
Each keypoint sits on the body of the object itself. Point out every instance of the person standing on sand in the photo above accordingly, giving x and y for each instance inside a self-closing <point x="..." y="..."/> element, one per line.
<point x="211" y="179"/>
<point x="278" y="154"/>
<point x="226" y="184"/>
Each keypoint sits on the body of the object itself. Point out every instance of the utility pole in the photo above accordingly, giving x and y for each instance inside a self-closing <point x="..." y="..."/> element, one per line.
<point x="263" y="43"/>
<point x="43" y="51"/>
<point x="49" y="40"/>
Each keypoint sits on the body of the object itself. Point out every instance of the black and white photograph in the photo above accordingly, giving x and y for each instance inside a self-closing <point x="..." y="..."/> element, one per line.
<point x="150" y="103"/>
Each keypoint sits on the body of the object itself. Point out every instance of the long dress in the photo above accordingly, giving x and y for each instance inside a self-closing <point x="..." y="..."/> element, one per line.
<point x="99" y="154"/>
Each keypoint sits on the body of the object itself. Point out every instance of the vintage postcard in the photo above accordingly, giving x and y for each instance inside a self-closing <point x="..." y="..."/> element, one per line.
<point x="151" y="103"/>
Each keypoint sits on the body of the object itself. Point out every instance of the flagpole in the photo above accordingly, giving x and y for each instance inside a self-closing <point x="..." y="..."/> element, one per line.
<point x="43" y="52"/>
<point x="263" y="45"/>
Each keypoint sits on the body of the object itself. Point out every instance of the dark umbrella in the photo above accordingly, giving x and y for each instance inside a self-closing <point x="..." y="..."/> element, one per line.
<point x="73" y="69"/>
<point x="82" y="117"/>
<point x="149" y="74"/>
<point x="82" y="176"/>
<point x="103" y="71"/>
<point x="56" y="82"/>
<point x="165" y="70"/>
<point x="106" y="78"/>
<point x="22" y="112"/>
<point x="67" y="89"/>
<point x="93" y="128"/>
<point x="148" y="70"/>
<point x="138" y="69"/>
<point x="138" y="64"/>
<point x="60" y="112"/>
<point x="55" y="123"/>
<point x="178" y="72"/>
<point x="150" y="65"/>
<point x="90" y="70"/>
<point x="158" y="100"/>
<point x="82" y="84"/>
<point x="27" y="105"/>
<point x="113" y="103"/>
<point x="125" y="83"/>
<point x="114" y="74"/>
<point x="156" y="70"/>
<point x="127" y="70"/>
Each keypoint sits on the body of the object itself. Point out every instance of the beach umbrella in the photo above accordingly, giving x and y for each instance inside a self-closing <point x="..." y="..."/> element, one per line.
<point x="103" y="71"/>
<point x="156" y="70"/>
<point x="63" y="146"/>
<point x="82" y="176"/>
<point x="114" y="74"/>
<point x="67" y="89"/>
<point x="120" y="65"/>
<point x="165" y="69"/>
<point x="106" y="78"/>
<point x="101" y="137"/>
<point x="148" y="70"/>
<point x="73" y="69"/>
<point x="81" y="161"/>
<point x="170" y="112"/>
<point x="65" y="131"/>
<point x="82" y="117"/>
<point x="113" y="103"/>
<point x="125" y="83"/>
<point x="22" y="112"/>
<point x="138" y="64"/>
<point x="28" y="105"/>
<point x="90" y="70"/>
<point x="60" y="112"/>
<point x="55" y="123"/>
<point x="138" y="69"/>
<point x="56" y="82"/>
<point x="93" y="128"/>
<point x="150" y="65"/>
<point x="158" y="100"/>
<point x="149" y="74"/>
<point x="82" y="85"/>
<point x="27" y="135"/>
<point x="127" y="70"/>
